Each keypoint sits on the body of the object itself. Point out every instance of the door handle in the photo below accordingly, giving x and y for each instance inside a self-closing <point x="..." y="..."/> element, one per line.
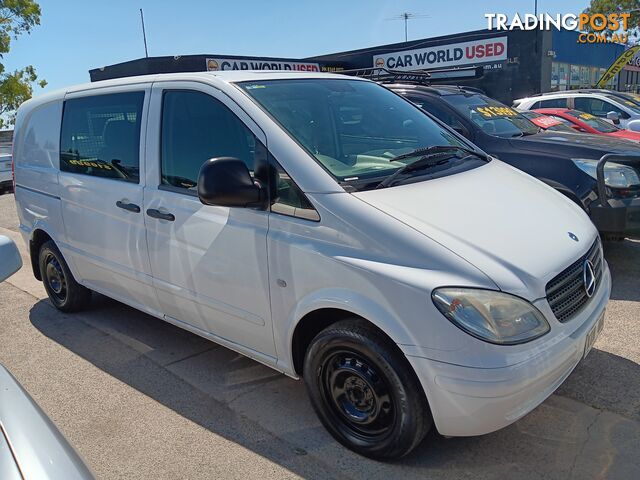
<point x="152" y="212"/>
<point x="130" y="207"/>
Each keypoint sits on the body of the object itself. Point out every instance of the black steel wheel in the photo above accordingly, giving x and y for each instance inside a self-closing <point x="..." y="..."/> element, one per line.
<point x="64" y="292"/>
<point x="364" y="391"/>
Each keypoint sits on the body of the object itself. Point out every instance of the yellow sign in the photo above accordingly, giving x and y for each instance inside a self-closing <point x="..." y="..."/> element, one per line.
<point x="496" y="112"/>
<point x="617" y="66"/>
<point x="586" y="116"/>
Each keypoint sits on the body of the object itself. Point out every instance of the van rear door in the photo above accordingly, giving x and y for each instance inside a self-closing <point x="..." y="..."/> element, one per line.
<point x="101" y="182"/>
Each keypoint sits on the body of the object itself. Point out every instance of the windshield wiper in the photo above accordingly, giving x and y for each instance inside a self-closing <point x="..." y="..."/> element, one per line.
<point x="433" y="150"/>
<point x="428" y="161"/>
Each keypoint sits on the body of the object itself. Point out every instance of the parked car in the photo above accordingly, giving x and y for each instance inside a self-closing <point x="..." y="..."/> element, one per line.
<point x="564" y="161"/>
<point x="324" y="226"/>
<point x="615" y="108"/>
<point x="31" y="447"/>
<point x="584" y="122"/>
<point x="6" y="175"/>
<point x="546" y="122"/>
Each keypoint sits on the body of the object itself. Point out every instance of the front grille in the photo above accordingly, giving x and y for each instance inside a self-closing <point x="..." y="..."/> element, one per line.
<point x="566" y="293"/>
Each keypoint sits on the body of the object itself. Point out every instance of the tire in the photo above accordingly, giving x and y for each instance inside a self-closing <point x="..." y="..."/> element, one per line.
<point x="365" y="392"/>
<point x="65" y="293"/>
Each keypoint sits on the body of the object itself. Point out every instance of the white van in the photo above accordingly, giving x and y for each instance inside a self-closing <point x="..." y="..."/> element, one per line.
<point x="321" y="225"/>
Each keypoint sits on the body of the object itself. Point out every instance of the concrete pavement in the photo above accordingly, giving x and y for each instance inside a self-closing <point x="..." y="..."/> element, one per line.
<point x="140" y="398"/>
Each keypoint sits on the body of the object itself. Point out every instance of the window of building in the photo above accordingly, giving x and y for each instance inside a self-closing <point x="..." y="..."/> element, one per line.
<point x="101" y="136"/>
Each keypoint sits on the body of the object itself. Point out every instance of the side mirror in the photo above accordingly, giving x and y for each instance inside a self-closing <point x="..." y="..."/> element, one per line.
<point x="614" y="117"/>
<point x="10" y="260"/>
<point x="226" y="182"/>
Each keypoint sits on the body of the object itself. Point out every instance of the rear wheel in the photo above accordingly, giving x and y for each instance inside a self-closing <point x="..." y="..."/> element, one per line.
<point x="64" y="292"/>
<point x="365" y="392"/>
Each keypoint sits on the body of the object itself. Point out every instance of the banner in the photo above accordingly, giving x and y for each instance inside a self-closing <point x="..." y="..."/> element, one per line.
<point x="617" y="66"/>
<point x="455" y="54"/>
<point x="215" y="64"/>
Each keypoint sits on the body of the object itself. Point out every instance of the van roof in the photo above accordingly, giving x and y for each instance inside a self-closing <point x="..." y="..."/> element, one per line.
<point x="227" y="76"/>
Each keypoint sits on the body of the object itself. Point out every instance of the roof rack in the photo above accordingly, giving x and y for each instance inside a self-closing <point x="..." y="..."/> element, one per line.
<point x="385" y="75"/>
<point x="419" y="77"/>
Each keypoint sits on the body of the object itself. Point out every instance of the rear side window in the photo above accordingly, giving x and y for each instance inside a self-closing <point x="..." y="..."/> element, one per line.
<point x="101" y="136"/>
<point x="195" y="128"/>
<point x="550" y="103"/>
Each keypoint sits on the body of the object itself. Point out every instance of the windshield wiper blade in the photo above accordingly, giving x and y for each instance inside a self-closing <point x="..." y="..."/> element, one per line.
<point x="423" y="163"/>
<point x="435" y="149"/>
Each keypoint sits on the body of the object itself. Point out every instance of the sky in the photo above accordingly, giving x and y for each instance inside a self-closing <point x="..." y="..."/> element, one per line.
<point x="75" y="36"/>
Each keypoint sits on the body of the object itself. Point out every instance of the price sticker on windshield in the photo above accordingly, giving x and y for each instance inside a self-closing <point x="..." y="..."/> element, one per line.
<point x="496" y="112"/>
<point x="545" y="122"/>
<point x="586" y="116"/>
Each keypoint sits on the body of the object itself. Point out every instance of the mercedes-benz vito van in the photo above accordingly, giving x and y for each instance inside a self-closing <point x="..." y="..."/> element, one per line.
<point x="321" y="225"/>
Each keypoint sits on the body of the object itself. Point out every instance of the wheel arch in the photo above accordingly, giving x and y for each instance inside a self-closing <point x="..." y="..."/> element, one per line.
<point x="320" y="313"/>
<point x="38" y="237"/>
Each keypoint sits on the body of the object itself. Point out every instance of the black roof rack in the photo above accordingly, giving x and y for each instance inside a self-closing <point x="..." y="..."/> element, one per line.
<point x="418" y="77"/>
<point x="385" y="75"/>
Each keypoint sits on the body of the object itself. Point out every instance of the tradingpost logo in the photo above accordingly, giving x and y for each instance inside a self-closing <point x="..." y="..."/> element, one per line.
<point x="593" y="28"/>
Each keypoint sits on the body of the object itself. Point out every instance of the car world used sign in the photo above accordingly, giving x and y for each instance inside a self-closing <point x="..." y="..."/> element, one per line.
<point x="452" y="55"/>
<point x="214" y="64"/>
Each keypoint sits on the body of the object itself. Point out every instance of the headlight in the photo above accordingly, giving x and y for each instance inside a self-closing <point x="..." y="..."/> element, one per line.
<point x="615" y="174"/>
<point x="491" y="316"/>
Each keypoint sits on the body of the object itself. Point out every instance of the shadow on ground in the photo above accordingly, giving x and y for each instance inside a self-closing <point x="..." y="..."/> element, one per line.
<point x="211" y="385"/>
<point x="624" y="261"/>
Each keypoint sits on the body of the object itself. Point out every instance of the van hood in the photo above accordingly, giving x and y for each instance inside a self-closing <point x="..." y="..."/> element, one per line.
<point x="575" y="145"/>
<point x="512" y="227"/>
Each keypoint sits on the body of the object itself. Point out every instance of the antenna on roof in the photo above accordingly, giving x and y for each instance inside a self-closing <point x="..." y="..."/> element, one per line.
<point x="144" y="35"/>
<point x="406" y="16"/>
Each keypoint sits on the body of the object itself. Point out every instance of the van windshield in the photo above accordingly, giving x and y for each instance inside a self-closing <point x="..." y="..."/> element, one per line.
<point x="355" y="129"/>
<point x="493" y="118"/>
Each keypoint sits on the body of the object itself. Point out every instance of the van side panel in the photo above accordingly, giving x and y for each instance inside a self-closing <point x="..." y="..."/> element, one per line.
<point x="36" y="157"/>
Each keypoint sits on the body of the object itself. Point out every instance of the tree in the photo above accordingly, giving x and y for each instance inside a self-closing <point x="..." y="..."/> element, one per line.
<point x="16" y="17"/>
<point x="620" y="6"/>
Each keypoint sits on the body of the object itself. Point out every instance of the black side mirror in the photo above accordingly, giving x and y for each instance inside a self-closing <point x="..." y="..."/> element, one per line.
<point x="226" y="182"/>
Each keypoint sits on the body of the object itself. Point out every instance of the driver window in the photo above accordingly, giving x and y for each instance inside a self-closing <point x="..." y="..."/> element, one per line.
<point x="443" y="116"/>
<point x="597" y="107"/>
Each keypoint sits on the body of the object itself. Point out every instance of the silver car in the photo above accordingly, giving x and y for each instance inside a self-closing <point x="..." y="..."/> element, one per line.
<point x="31" y="447"/>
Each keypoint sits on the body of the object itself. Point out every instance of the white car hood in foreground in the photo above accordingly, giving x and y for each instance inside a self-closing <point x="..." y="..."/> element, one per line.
<point x="505" y="222"/>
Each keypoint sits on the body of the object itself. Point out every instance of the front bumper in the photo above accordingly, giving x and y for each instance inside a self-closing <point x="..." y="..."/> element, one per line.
<point x="621" y="217"/>
<point x="468" y="401"/>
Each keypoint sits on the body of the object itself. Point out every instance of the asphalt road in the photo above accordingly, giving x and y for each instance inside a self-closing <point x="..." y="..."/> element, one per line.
<point x="140" y="398"/>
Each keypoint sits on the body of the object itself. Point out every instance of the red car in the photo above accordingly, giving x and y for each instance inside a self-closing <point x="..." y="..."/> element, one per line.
<point x="587" y="123"/>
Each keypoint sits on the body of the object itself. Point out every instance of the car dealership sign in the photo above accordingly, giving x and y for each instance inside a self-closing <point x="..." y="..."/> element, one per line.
<point x="215" y="64"/>
<point x="452" y="55"/>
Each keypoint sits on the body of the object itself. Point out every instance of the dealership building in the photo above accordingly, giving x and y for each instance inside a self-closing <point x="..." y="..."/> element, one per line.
<point x="514" y="63"/>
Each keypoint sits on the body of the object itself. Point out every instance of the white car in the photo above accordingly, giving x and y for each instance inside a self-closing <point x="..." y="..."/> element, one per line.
<point x="615" y="107"/>
<point x="6" y="174"/>
<point x="324" y="226"/>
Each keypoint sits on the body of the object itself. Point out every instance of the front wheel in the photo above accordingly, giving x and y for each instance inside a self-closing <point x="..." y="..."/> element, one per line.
<point x="365" y="392"/>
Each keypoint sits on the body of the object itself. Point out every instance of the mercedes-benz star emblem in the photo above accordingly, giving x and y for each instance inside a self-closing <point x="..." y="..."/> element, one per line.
<point x="573" y="236"/>
<point x="589" y="278"/>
